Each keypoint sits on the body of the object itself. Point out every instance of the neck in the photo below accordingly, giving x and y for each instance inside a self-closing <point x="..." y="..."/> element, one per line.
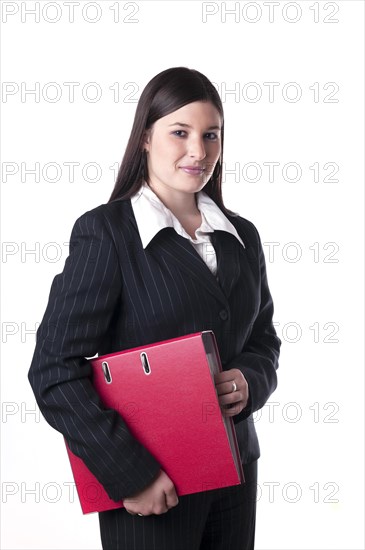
<point x="180" y="203"/>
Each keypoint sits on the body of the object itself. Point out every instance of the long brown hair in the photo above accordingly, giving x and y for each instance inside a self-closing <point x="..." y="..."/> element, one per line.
<point x="166" y="92"/>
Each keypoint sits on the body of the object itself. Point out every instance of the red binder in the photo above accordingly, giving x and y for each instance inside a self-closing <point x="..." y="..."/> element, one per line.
<point x="166" y="394"/>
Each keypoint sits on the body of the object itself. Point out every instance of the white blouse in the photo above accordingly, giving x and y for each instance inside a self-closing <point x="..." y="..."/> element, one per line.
<point x="152" y="216"/>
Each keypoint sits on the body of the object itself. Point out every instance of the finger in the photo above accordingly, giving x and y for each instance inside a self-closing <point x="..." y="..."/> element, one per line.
<point x="222" y="377"/>
<point x="160" y="507"/>
<point x="232" y="411"/>
<point x="232" y="408"/>
<point x="140" y="511"/>
<point x="227" y="387"/>
<point x="171" y="498"/>
<point x="226" y="375"/>
<point x="230" y="398"/>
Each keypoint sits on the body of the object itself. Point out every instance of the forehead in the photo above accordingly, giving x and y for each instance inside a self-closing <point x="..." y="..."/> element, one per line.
<point x="198" y="112"/>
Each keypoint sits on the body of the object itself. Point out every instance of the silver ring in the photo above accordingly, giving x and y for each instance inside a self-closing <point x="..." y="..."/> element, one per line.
<point x="234" y="386"/>
<point x="140" y="514"/>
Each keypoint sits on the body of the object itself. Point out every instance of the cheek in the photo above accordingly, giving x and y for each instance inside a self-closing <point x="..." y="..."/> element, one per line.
<point x="168" y="151"/>
<point x="160" y="156"/>
<point x="173" y="157"/>
<point x="213" y="151"/>
<point x="217" y="151"/>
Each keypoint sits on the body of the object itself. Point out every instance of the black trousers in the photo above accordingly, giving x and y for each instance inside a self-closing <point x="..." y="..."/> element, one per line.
<point x="222" y="519"/>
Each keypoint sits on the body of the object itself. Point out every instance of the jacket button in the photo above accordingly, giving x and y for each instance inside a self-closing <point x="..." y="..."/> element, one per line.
<point x="223" y="314"/>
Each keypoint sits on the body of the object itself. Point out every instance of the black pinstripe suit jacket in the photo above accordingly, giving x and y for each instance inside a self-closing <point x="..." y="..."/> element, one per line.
<point x="112" y="295"/>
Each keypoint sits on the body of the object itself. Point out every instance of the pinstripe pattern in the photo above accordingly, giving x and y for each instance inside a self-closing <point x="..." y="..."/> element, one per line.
<point x="222" y="519"/>
<point x="152" y="215"/>
<point x="112" y="294"/>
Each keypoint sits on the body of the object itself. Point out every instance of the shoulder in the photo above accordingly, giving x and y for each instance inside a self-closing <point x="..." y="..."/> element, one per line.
<point x="111" y="213"/>
<point x="245" y="228"/>
<point x="110" y="218"/>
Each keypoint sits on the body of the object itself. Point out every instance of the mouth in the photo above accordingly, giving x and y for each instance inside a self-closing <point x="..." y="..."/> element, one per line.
<point x="192" y="171"/>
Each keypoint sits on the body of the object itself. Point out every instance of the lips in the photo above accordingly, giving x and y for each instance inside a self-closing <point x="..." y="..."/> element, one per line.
<point x="194" y="170"/>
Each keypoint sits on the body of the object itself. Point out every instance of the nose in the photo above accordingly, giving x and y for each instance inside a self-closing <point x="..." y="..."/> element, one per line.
<point x="196" y="148"/>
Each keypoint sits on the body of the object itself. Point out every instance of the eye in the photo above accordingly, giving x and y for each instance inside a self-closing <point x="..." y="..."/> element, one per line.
<point x="213" y="136"/>
<point x="179" y="132"/>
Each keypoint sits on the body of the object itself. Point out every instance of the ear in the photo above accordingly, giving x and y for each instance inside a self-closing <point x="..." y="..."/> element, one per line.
<point x="146" y="140"/>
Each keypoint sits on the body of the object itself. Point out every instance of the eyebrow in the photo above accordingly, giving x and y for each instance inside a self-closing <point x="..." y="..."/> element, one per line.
<point x="187" y="126"/>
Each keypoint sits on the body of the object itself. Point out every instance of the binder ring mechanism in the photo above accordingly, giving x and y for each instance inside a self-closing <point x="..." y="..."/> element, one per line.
<point x="145" y="365"/>
<point x="106" y="371"/>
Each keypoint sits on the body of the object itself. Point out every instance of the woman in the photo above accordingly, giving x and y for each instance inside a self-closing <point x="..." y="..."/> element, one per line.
<point x="163" y="258"/>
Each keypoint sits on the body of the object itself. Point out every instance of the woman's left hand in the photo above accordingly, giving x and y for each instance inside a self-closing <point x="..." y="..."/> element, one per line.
<point x="232" y="389"/>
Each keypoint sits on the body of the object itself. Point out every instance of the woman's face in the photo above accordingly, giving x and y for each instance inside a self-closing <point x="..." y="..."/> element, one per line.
<point x="187" y="138"/>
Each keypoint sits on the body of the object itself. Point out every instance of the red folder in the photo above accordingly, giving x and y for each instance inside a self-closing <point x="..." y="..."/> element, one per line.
<point x="166" y="394"/>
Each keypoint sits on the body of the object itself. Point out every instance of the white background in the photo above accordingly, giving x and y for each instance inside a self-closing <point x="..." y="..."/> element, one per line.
<point x="311" y="431"/>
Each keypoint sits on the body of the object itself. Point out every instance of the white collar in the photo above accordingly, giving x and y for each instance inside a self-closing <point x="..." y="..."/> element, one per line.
<point x="152" y="216"/>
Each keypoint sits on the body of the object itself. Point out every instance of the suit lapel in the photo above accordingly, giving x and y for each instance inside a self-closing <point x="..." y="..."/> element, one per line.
<point x="227" y="249"/>
<point x="178" y="251"/>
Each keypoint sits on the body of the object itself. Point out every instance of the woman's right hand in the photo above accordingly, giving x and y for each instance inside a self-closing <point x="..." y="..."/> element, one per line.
<point x="157" y="498"/>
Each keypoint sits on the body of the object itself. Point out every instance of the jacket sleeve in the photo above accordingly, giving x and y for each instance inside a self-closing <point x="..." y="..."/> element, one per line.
<point x="80" y="307"/>
<point x="258" y="360"/>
